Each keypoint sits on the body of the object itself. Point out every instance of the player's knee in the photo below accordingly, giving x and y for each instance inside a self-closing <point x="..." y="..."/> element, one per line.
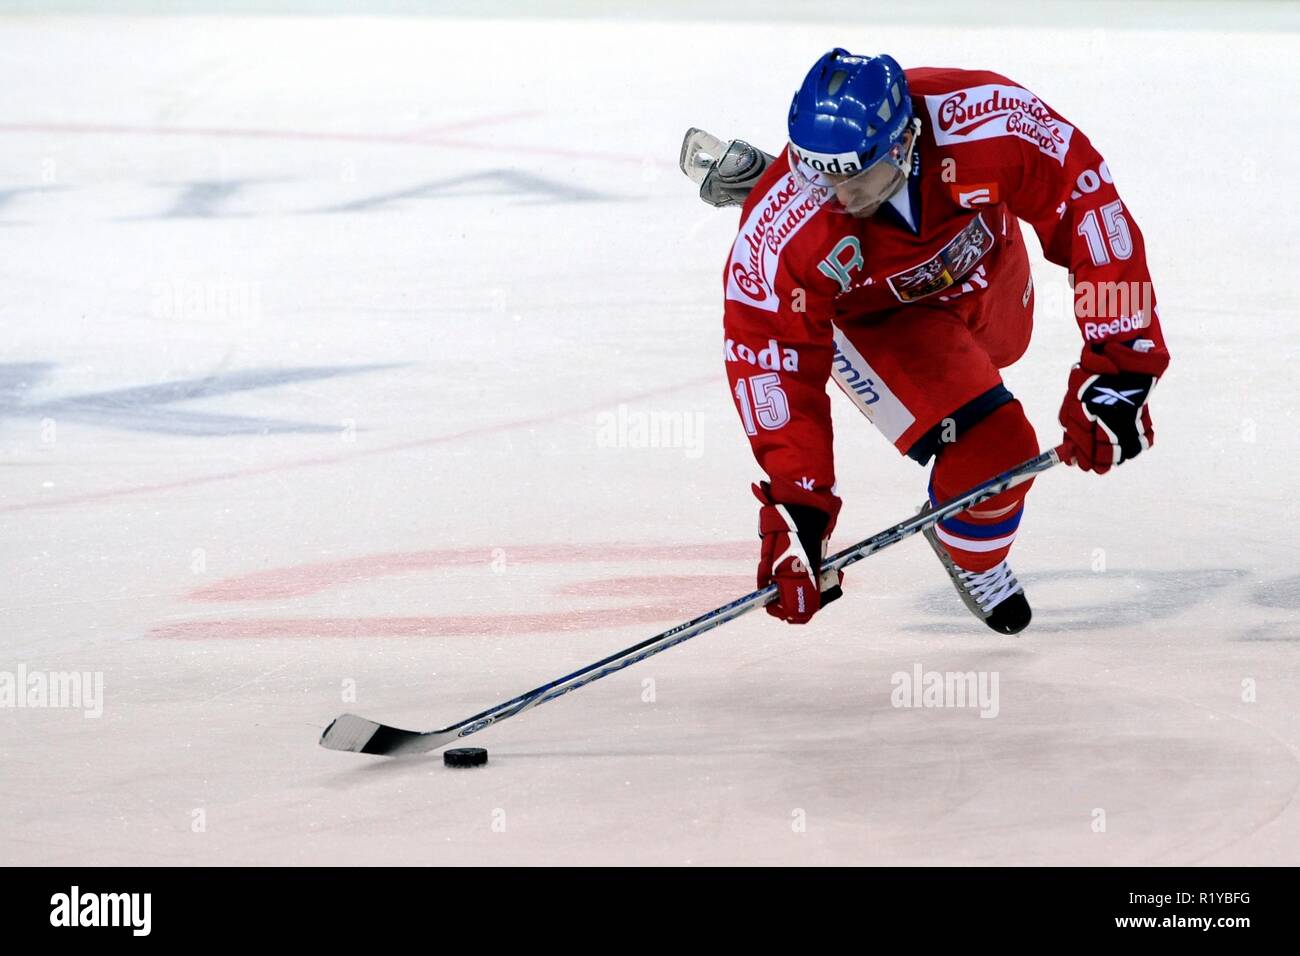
<point x="995" y="443"/>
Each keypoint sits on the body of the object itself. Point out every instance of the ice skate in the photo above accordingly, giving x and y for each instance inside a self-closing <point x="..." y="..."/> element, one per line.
<point x="994" y="596"/>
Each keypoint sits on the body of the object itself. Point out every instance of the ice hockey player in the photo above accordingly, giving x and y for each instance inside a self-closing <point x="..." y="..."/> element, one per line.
<point x="881" y="248"/>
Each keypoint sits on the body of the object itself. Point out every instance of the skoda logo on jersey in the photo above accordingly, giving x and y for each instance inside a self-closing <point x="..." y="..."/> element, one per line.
<point x="837" y="164"/>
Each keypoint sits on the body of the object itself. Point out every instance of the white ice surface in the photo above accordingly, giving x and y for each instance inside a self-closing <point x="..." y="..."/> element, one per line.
<point x="456" y="533"/>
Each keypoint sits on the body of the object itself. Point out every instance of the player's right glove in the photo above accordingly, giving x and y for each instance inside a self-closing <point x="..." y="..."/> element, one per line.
<point x="794" y="542"/>
<point x="1105" y="412"/>
<point x="725" y="172"/>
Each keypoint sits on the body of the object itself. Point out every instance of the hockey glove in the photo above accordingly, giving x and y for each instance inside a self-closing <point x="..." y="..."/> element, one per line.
<point x="725" y="172"/>
<point x="794" y="539"/>
<point x="1105" y="412"/>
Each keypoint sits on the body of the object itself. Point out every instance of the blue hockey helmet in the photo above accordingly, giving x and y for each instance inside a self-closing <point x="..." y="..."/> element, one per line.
<point x="849" y="112"/>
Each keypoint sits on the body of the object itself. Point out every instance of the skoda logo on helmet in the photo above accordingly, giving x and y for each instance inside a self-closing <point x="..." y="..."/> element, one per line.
<point x="837" y="164"/>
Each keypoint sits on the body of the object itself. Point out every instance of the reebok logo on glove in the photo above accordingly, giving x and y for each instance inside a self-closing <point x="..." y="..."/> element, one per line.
<point x="1105" y="410"/>
<point x="1108" y="396"/>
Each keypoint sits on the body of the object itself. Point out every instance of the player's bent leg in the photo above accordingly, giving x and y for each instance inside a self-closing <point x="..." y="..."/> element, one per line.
<point x="908" y="371"/>
<point x="973" y="545"/>
<point x="924" y="381"/>
<point x="981" y="537"/>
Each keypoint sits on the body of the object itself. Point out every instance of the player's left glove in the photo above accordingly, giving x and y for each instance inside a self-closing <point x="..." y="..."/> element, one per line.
<point x="1105" y="412"/>
<point x="794" y="543"/>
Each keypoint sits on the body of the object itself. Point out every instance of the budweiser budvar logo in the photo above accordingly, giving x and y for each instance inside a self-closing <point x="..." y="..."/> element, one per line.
<point x="770" y="224"/>
<point x="982" y="112"/>
<point x="959" y="114"/>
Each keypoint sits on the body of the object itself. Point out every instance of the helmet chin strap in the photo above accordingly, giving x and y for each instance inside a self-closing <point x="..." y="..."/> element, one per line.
<point x="915" y="126"/>
<point x="905" y="162"/>
<point x="903" y="165"/>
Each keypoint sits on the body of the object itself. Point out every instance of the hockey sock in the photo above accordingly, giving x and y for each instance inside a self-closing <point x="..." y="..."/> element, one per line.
<point x="980" y="537"/>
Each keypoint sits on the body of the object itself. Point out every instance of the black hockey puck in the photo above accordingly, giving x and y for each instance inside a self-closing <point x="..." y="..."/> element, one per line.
<point x="465" y="757"/>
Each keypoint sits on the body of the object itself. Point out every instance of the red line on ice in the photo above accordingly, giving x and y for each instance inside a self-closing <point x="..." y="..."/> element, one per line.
<point x="303" y="579"/>
<point x="673" y="597"/>
<point x="692" y="588"/>
<point x="478" y="625"/>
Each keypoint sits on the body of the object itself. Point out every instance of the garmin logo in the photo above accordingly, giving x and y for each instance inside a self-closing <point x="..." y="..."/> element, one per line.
<point x="852" y="380"/>
<point x="103" y="909"/>
<point x="868" y="390"/>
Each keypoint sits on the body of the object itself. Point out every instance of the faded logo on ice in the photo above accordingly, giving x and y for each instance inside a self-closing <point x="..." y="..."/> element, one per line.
<point x="984" y="112"/>
<point x="157" y="407"/>
<point x="774" y="220"/>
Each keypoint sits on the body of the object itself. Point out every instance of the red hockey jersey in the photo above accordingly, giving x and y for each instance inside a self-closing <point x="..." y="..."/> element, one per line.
<point x="990" y="152"/>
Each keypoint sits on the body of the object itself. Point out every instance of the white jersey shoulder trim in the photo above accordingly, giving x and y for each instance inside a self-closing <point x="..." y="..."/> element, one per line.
<point x="787" y="206"/>
<point x="996" y="109"/>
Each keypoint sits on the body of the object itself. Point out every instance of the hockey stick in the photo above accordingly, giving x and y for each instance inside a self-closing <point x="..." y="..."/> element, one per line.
<point x="359" y="735"/>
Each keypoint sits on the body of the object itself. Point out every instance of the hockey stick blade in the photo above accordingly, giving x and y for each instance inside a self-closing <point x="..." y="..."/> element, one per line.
<point x="359" y="735"/>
